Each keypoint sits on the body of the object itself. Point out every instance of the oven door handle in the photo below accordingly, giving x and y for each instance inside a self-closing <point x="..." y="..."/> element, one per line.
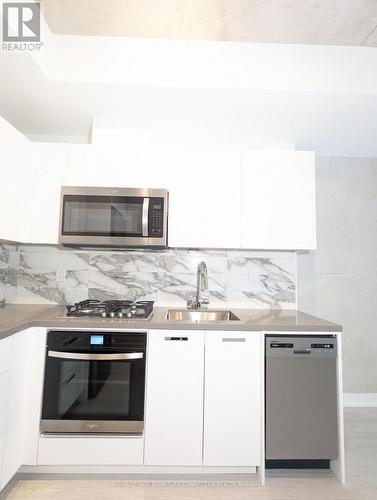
<point x="121" y="356"/>
<point x="145" y="217"/>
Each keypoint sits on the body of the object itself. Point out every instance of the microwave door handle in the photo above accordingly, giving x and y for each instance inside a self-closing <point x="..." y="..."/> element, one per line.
<point x="145" y="217"/>
<point x="96" y="357"/>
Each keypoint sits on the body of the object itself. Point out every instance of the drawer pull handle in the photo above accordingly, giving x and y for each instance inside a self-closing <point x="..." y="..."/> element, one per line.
<point x="177" y="338"/>
<point x="230" y="339"/>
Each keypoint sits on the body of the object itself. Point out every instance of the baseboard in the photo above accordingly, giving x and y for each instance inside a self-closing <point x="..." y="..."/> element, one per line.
<point x="139" y="470"/>
<point x="360" y="399"/>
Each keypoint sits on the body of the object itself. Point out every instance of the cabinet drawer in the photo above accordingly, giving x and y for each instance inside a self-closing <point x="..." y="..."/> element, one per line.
<point x="4" y="402"/>
<point x="5" y="354"/>
<point x="90" y="450"/>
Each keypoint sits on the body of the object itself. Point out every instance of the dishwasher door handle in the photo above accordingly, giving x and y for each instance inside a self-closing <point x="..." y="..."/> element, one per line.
<point x="302" y="351"/>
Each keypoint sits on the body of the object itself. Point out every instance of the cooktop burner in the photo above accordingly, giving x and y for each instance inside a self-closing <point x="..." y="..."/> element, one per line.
<point x="111" y="309"/>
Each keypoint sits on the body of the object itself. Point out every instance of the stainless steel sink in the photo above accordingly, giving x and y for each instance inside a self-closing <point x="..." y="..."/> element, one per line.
<point x="207" y="315"/>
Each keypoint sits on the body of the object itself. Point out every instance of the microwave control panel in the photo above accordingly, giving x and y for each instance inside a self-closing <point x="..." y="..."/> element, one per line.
<point x="156" y="217"/>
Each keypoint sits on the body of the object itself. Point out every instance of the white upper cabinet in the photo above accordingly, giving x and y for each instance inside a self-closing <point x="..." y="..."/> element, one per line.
<point x="204" y="199"/>
<point x="90" y="165"/>
<point x="32" y="174"/>
<point x="203" y="184"/>
<point x="219" y="197"/>
<point x="232" y="399"/>
<point x="278" y="200"/>
<point x="50" y="175"/>
<point x="17" y="163"/>
<point x="114" y="166"/>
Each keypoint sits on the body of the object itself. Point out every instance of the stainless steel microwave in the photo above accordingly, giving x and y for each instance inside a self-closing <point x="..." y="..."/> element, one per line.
<point x="134" y="217"/>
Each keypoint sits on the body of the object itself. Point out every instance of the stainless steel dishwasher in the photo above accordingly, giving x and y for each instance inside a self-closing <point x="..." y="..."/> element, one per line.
<point x="301" y="401"/>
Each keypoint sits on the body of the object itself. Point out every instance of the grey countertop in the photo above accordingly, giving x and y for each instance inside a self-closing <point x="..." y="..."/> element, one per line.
<point x="16" y="317"/>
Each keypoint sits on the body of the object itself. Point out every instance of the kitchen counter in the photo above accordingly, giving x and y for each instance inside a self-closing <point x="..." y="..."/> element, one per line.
<point x="17" y="317"/>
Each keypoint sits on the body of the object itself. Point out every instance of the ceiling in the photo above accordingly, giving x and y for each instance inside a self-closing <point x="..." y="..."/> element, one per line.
<point x="327" y="122"/>
<point x="202" y="93"/>
<point x="325" y="22"/>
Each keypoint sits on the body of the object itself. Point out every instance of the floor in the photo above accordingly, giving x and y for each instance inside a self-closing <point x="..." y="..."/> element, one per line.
<point x="361" y="457"/>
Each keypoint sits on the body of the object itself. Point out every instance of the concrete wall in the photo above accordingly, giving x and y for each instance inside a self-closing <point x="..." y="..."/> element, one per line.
<point x="339" y="280"/>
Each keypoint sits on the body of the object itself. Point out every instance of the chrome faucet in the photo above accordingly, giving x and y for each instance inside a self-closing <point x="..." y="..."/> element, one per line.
<point x="201" y="288"/>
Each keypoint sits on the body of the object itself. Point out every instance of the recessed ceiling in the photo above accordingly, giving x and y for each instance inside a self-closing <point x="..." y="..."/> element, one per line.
<point x="325" y="22"/>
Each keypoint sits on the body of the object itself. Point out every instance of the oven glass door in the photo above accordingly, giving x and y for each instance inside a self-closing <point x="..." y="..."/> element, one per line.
<point x="93" y="387"/>
<point x="89" y="215"/>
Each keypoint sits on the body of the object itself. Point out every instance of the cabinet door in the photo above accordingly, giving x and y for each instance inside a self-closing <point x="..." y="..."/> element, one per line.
<point x="25" y="382"/>
<point x="6" y="346"/>
<point x="232" y="401"/>
<point x="101" y="166"/>
<point x="12" y="458"/>
<point x="205" y="199"/>
<point x="33" y="346"/>
<point x="17" y="163"/>
<point x="4" y="415"/>
<point x="50" y="175"/>
<point x="110" y="166"/>
<point x="278" y="200"/>
<point x="174" y="399"/>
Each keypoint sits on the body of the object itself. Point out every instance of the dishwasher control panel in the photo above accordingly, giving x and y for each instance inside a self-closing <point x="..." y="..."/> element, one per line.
<point x="278" y="346"/>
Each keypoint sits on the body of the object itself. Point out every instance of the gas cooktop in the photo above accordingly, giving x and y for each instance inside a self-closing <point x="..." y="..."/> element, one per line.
<point x="127" y="309"/>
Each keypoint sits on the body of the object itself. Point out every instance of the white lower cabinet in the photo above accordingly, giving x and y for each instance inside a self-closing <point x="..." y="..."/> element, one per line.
<point x="232" y="401"/>
<point x="23" y="397"/>
<point x="210" y="417"/>
<point x="34" y="346"/>
<point x="174" y="398"/>
<point x="4" y="406"/>
<point x="13" y="426"/>
<point x="203" y="405"/>
<point x="5" y="359"/>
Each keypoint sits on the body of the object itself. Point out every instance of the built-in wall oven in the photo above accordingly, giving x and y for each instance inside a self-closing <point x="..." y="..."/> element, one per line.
<point x="114" y="216"/>
<point x="94" y="382"/>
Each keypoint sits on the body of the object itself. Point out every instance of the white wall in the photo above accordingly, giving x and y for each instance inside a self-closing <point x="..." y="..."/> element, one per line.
<point x="203" y="128"/>
<point x="339" y="280"/>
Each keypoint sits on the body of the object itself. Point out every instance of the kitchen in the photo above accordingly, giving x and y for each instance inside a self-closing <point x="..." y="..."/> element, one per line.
<point x="152" y="235"/>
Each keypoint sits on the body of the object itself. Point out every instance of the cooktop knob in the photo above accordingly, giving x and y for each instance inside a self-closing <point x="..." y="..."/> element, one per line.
<point x="103" y="315"/>
<point x="120" y="315"/>
<point x="112" y="314"/>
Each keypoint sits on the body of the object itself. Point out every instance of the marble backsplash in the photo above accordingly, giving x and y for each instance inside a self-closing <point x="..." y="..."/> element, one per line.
<point x="59" y="275"/>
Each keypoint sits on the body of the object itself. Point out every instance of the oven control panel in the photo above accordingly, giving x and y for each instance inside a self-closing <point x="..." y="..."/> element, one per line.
<point x="94" y="341"/>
